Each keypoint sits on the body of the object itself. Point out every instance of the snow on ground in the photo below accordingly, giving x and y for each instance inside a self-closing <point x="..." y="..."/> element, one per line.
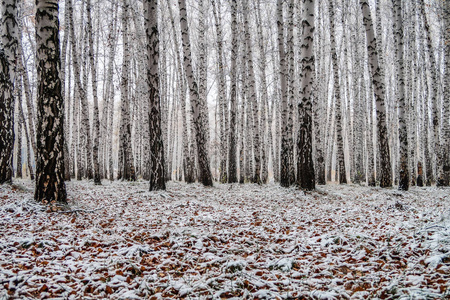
<point x="120" y="241"/>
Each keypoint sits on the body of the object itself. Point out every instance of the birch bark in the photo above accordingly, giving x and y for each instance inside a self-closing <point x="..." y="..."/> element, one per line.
<point x="379" y="93"/>
<point x="9" y="40"/>
<point x="232" y="163"/>
<point x="205" y="176"/>
<point x="337" y="95"/>
<point x="50" y="186"/>
<point x="127" y="166"/>
<point x="157" y="181"/>
<point x="284" y="154"/>
<point x="305" y="167"/>
<point x="403" y="133"/>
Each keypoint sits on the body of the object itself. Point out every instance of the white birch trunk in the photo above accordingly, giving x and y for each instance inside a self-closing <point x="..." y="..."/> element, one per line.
<point x="305" y="167"/>
<point x="50" y="186"/>
<point x="205" y="176"/>
<point x="403" y="132"/>
<point x="385" y="172"/>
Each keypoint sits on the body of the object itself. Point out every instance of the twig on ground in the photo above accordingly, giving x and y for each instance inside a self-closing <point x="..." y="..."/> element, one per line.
<point x="77" y="211"/>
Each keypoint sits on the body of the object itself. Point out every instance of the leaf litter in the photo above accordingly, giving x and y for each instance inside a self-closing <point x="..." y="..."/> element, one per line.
<point x="120" y="241"/>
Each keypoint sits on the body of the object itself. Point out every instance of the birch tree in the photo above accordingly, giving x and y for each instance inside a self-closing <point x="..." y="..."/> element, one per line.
<point x="385" y="171"/>
<point x="85" y="137"/>
<point x="403" y="133"/>
<point x="223" y="113"/>
<point x="305" y="163"/>
<point x="265" y="149"/>
<point x="126" y="162"/>
<point x="433" y="94"/>
<point x="205" y="176"/>
<point x="50" y="186"/>
<point x="157" y="178"/>
<point x="7" y="121"/>
<point x="9" y="41"/>
<point x="202" y="70"/>
<point x="232" y="148"/>
<point x="446" y="83"/>
<point x="284" y="154"/>
<point x="256" y="175"/>
<point x="337" y="96"/>
<point x="96" y="120"/>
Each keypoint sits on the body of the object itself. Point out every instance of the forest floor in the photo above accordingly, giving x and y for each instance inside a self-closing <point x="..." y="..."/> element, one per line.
<point x="120" y="241"/>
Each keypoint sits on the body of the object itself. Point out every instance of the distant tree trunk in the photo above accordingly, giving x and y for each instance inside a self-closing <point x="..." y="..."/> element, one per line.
<point x="50" y="186"/>
<point x="413" y="98"/>
<point x="27" y="137"/>
<point x="9" y="41"/>
<point x="359" y="93"/>
<point x="265" y="149"/>
<point x="156" y="167"/>
<point x="371" y="181"/>
<point x="188" y="160"/>
<point x="429" y="178"/>
<point x="19" y="143"/>
<point x="433" y="95"/>
<point x="127" y="166"/>
<point x="96" y="120"/>
<point x="242" y="132"/>
<point x="202" y="69"/>
<point x="446" y="103"/>
<point x="284" y="155"/>
<point x="256" y="175"/>
<point x="31" y="137"/>
<point x="110" y="90"/>
<point x="81" y="92"/>
<point x="205" y="176"/>
<point x="379" y="92"/>
<point x="63" y="89"/>
<point x="403" y="133"/>
<point x="337" y="95"/>
<point x="223" y="112"/>
<point x="319" y="108"/>
<point x="305" y="167"/>
<point x="232" y="148"/>
<point x="291" y="91"/>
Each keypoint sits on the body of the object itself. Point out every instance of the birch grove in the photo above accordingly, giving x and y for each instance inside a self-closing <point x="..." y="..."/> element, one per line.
<point x="285" y="92"/>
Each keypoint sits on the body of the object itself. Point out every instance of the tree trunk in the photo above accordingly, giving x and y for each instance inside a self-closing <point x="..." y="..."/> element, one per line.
<point x="319" y="108"/>
<point x="337" y="95"/>
<point x="27" y="136"/>
<point x="223" y="112"/>
<point x="284" y="154"/>
<point x="7" y="121"/>
<point x="28" y="99"/>
<point x="305" y="163"/>
<point x="265" y="149"/>
<point x="19" y="139"/>
<point x="110" y="89"/>
<point x="96" y="121"/>
<point x="82" y="97"/>
<point x="127" y="165"/>
<point x="50" y="186"/>
<point x="156" y="167"/>
<point x="256" y="175"/>
<point x="434" y="105"/>
<point x="232" y="163"/>
<point x="403" y="133"/>
<point x="379" y="92"/>
<point x="9" y="40"/>
<point x="202" y="69"/>
<point x="205" y="176"/>
<point x="446" y="103"/>
<point x="290" y="92"/>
